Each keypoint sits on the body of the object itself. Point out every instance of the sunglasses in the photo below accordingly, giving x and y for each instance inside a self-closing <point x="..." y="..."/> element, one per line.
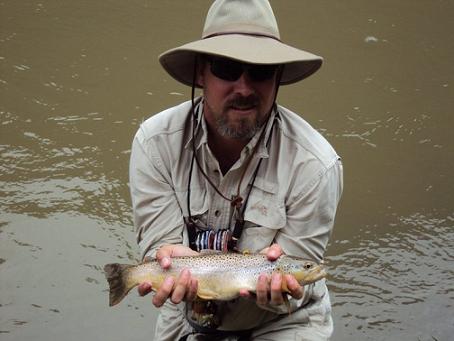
<point x="231" y="70"/>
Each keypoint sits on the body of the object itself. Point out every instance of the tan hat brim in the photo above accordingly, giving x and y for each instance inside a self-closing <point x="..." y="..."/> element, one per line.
<point x="299" y="64"/>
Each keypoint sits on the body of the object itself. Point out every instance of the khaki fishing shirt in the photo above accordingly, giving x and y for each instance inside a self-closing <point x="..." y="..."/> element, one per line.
<point x="293" y="203"/>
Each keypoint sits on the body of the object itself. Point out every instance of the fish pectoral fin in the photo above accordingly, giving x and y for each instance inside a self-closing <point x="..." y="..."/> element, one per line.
<point x="207" y="294"/>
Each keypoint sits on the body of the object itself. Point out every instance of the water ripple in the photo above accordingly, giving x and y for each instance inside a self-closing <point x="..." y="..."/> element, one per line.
<point x="406" y="273"/>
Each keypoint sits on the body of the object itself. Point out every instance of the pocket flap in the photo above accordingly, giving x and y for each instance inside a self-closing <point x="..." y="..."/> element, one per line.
<point x="264" y="208"/>
<point x="198" y="201"/>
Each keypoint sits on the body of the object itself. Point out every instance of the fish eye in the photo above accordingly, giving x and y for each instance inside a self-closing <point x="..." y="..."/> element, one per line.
<point x="307" y="265"/>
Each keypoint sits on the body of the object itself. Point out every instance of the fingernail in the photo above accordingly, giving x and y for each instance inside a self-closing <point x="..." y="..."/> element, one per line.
<point x="168" y="281"/>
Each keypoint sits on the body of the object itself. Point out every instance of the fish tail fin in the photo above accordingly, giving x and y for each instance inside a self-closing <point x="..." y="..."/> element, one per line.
<point x="119" y="286"/>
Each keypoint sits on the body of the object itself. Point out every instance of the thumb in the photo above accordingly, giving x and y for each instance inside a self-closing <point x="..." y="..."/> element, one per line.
<point x="144" y="288"/>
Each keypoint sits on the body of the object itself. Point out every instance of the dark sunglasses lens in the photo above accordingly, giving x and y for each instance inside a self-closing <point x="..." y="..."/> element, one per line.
<point x="228" y="70"/>
<point x="262" y="73"/>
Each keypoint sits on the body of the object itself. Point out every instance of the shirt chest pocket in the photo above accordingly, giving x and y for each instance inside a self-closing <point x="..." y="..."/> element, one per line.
<point x="198" y="203"/>
<point x="264" y="216"/>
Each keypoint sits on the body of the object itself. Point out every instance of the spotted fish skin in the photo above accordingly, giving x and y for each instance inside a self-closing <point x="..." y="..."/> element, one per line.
<point x="220" y="276"/>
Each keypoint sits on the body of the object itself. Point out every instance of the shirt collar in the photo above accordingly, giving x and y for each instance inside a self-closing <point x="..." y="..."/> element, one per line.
<point x="201" y="133"/>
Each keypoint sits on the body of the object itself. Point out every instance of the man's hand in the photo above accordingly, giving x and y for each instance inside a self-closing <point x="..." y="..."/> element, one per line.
<point x="183" y="288"/>
<point x="269" y="289"/>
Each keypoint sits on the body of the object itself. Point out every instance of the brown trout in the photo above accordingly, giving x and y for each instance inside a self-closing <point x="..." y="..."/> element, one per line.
<point x="220" y="276"/>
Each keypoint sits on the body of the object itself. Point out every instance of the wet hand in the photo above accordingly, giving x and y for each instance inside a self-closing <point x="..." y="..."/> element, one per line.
<point x="184" y="288"/>
<point x="271" y="289"/>
<point x="273" y="252"/>
<point x="166" y="252"/>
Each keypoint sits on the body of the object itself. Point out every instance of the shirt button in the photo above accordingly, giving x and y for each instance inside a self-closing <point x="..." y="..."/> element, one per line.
<point x="217" y="213"/>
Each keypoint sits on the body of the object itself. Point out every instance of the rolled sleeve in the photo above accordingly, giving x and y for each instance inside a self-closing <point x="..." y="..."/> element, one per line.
<point x="157" y="215"/>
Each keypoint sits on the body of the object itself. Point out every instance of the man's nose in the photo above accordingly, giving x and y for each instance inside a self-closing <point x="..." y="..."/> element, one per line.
<point x="244" y="85"/>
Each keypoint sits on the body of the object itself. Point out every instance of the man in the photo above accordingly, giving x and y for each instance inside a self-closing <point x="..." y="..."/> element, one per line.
<point x="233" y="170"/>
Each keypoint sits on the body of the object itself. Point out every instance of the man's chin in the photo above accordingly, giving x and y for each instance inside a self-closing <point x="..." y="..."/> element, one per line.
<point x="241" y="131"/>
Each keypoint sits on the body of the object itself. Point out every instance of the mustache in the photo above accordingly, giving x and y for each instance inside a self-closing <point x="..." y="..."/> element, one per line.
<point x="243" y="102"/>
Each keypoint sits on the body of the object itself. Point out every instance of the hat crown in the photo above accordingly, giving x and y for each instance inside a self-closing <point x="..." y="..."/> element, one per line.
<point x="252" y="17"/>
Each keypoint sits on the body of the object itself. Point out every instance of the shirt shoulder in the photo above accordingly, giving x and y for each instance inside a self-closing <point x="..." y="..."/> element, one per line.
<point x="302" y="135"/>
<point x="167" y="122"/>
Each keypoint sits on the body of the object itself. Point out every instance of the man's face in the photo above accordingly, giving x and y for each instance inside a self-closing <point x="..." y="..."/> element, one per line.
<point x="237" y="107"/>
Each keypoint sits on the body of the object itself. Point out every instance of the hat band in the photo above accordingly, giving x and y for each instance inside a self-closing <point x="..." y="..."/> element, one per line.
<point x="243" y="34"/>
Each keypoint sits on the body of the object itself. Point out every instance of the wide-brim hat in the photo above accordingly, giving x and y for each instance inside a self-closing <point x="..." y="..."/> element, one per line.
<point x="243" y="30"/>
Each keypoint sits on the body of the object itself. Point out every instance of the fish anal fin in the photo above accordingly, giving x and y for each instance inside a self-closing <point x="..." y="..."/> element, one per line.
<point x="206" y="252"/>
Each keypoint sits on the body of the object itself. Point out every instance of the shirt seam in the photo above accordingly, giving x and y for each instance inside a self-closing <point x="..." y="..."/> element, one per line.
<point x="319" y="176"/>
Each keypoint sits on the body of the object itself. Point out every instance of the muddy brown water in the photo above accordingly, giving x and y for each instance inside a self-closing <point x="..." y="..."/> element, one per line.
<point x="78" y="77"/>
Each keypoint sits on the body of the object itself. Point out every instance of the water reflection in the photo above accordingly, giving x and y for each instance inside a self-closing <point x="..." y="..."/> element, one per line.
<point x="373" y="132"/>
<point x="381" y="275"/>
<point x="43" y="184"/>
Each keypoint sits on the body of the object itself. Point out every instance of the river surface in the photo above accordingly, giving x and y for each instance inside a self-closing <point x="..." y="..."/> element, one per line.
<point x="78" y="77"/>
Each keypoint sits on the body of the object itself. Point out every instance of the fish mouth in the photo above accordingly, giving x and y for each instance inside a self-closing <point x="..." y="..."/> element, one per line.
<point x="322" y="273"/>
<point x="316" y="274"/>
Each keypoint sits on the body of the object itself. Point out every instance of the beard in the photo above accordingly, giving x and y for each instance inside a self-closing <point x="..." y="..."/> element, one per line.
<point x="243" y="128"/>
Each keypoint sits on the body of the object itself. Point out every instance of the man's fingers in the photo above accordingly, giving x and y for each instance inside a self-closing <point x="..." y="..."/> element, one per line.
<point x="191" y="294"/>
<point x="269" y="289"/>
<point x="163" y="293"/>
<point x="245" y="293"/>
<point x="163" y="256"/>
<point x="273" y="252"/>
<point x="276" y="289"/>
<point x="144" y="289"/>
<point x="296" y="290"/>
<point x="166" y="252"/>
<point x="181" y="287"/>
<point x="262" y="289"/>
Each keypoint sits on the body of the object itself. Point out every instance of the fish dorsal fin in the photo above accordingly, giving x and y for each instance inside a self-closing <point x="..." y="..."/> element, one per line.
<point x="206" y="252"/>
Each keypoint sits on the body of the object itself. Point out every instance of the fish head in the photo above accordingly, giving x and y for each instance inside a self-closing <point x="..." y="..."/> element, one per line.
<point x="305" y="271"/>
